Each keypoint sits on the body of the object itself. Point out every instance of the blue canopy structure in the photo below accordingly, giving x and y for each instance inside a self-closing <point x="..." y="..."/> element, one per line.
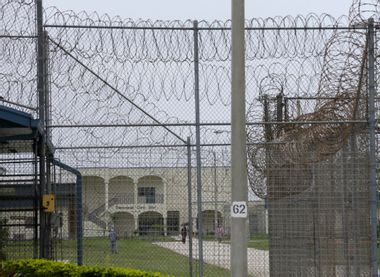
<point x="18" y="125"/>
<point x="18" y="130"/>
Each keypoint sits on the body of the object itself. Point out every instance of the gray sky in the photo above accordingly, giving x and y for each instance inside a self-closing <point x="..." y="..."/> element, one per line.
<point x="201" y="9"/>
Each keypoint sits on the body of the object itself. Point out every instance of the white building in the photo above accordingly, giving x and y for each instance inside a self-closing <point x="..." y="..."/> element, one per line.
<point x="144" y="200"/>
<point x="140" y="201"/>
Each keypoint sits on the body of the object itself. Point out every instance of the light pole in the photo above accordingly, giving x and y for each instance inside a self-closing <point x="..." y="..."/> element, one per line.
<point x="239" y="189"/>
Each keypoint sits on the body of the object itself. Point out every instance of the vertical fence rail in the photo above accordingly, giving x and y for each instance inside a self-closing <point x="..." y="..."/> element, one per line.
<point x="78" y="208"/>
<point x="198" y="149"/>
<point x="372" y="146"/>
<point x="190" y="207"/>
<point x="41" y="60"/>
<point x="36" y="201"/>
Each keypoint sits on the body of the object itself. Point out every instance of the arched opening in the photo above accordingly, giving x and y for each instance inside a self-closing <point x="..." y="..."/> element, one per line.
<point x="120" y="190"/>
<point x="151" y="223"/>
<point x="211" y="219"/>
<point x="124" y="224"/>
<point x="93" y="193"/>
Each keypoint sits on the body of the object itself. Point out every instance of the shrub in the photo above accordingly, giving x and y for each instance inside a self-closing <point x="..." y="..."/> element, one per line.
<point x="3" y="237"/>
<point x="46" y="268"/>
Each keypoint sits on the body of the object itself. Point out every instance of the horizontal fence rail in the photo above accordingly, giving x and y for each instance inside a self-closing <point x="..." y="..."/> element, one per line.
<point x="139" y="114"/>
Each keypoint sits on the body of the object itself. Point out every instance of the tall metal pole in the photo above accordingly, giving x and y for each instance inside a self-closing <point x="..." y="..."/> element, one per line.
<point x="36" y="202"/>
<point x="48" y="184"/>
<point x="215" y="197"/>
<point x="47" y="98"/>
<point x="47" y="107"/>
<point x="239" y="187"/>
<point x="372" y="146"/>
<point x="44" y="248"/>
<point x="190" y="207"/>
<point x="198" y="147"/>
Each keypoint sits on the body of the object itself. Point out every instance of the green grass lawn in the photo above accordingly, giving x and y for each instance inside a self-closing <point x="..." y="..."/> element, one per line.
<point x="259" y="242"/>
<point x="132" y="253"/>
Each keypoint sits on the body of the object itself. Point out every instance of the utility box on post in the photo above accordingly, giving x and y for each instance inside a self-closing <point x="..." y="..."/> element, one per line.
<point x="48" y="203"/>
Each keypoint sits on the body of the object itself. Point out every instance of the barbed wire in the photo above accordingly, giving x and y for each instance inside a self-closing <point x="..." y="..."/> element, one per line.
<point x="341" y="97"/>
<point x="127" y="48"/>
<point x="102" y="70"/>
<point x="361" y="10"/>
<point x="121" y="52"/>
<point x="121" y="48"/>
<point x="17" y="18"/>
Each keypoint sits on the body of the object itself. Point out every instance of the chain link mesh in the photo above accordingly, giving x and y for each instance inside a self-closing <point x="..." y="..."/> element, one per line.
<point x="121" y="107"/>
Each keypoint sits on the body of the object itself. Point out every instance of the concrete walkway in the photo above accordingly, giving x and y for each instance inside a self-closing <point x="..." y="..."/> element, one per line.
<point x="219" y="254"/>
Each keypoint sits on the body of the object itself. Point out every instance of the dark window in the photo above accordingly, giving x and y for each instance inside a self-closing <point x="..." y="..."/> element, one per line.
<point x="149" y="193"/>
<point x="29" y="222"/>
<point x="173" y="222"/>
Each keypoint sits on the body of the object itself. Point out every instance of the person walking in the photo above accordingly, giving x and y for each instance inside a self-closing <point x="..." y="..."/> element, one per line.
<point x="183" y="233"/>
<point x="219" y="234"/>
<point x="113" y="237"/>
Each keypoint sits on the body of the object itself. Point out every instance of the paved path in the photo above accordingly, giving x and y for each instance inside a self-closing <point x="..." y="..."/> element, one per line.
<point x="219" y="254"/>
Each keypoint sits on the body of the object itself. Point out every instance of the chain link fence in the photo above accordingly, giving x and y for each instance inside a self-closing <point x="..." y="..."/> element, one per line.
<point x="120" y="120"/>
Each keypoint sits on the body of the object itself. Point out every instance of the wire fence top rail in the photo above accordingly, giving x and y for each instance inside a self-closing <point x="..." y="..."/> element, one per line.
<point x="129" y="103"/>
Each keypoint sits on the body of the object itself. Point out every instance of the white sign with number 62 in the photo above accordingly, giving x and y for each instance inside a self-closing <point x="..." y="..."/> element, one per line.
<point x="239" y="209"/>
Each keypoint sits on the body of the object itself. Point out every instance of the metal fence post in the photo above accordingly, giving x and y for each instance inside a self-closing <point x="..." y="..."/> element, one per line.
<point x="215" y="196"/>
<point x="78" y="206"/>
<point x="198" y="148"/>
<point x="372" y="146"/>
<point x="44" y="232"/>
<point x="239" y="189"/>
<point x="190" y="207"/>
<point x="36" y="202"/>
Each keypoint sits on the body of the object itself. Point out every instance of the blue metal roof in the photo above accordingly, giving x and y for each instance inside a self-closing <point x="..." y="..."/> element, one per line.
<point x="17" y="125"/>
<point x="18" y="130"/>
<point x="16" y="118"/>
